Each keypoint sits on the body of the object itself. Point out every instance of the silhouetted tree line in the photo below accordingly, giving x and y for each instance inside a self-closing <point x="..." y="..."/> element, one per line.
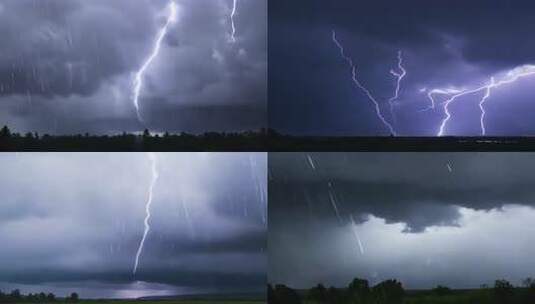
<point x="211" y="141"/>
<point x="358" y="292"/>
<point x="16" y="297"/>
<point x="392" y="292"/>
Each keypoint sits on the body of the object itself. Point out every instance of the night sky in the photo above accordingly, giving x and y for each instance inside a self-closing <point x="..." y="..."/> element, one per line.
<point x="73" y="223"/>
<point x="68" y="66"/>
<point x="448" y="45"/>
<point x="454" y="219"/>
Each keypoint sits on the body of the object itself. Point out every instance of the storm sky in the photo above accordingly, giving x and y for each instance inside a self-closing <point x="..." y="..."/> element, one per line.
<point x="448" y="45"/>
<point x="68" y="66"/>
<point x="73" y="223"/>
<point x="455" y="219"/>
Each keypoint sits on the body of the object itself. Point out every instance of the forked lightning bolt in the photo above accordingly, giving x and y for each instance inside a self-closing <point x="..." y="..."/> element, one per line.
<point x="510" y="77"/>
<point x="232" y="23"/>
<point x="399" y="77"/>
<point x="154" y="169"/>
<point x="362" y="87"/>
<point x="139" y="76"/>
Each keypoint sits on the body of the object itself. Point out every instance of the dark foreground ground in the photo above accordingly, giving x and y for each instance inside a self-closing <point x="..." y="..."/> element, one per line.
<point x="260" y="141"/>
<point x="399" y="144"/>
<point x="471" y="296"/>
<point x="221" y="142"/>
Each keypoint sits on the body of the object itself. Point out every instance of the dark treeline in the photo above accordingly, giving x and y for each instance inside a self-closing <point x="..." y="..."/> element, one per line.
<point x="392" y="292"/>
<point x="16" y="297"/>
<point x="244" y="141"/>
<point x="287" y="143"/>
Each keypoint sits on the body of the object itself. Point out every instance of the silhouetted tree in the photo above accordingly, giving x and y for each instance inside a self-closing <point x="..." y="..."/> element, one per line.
<point x="50" y="297"/>
<point x="442" y="290"/>
<point x="4" y="132"/>
<point x="146" y="133"/>
<point x="15" y="295"/>
<point x="73" y="297"/>
<point x="285" y="295"/>
<point x="388" y="292"/>
<point x="359" y="291"/>
<point x="503" y="291"/>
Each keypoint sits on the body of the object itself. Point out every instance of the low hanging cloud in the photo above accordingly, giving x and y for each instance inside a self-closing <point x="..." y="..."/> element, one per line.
<point x="426" y="219"/>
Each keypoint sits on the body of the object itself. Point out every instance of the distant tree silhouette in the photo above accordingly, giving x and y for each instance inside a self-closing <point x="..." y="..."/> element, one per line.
<point x="73" y="297"/>
<point x="442" y="290"/>
<point x="503" y="291"/>
<point x="211" y="141"/>
<point x="285" y="295"/>
<point x="4" y="132"/>
<point x="388" y="292"/>
<point x="359" y="291"/>
<point x="50" y="297"/>
<point x="15" y="295"/>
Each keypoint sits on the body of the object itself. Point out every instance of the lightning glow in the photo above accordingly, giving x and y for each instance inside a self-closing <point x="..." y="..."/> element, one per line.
<point x="139" y="76"/>
<point x="450" y="169"/>
<point x="154" y="169"/>
<point x="511" y="77"/>
<point x="232" y="21"/>
<point x="362" y="87"/>
<point x="399" y="77"/>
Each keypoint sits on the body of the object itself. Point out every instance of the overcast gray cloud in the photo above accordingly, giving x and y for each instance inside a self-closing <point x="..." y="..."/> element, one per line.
<point x="68" y="66"/>
<point x="74" y="222"/>
<point x="424" y="218"/>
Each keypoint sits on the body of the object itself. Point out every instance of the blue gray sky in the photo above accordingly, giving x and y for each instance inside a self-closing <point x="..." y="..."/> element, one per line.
<point x="73" y="223"/>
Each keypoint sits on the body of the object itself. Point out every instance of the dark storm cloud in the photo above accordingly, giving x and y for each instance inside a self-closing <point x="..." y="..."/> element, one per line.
<point x="413" y="188"/>
<point x="444" y="44"/>
<point x="208" y="215"/>
<point x="67" y="67"/>
<point x="417" y="221"/>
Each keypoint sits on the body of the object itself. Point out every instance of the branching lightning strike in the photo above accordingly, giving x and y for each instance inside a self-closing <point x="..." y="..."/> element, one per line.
<point x="511" y="77"/>
<point x="362" y="87"/>
<point x="154" y="169"/>
<point x="232" y="21"/>
<point x="139" y="76"/>
<point x="399" y="77"/>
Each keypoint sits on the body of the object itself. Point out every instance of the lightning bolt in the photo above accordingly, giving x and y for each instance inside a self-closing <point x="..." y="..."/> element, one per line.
<point x="399" y="77"/>
<point x="154" y="168"/>
<point x="355" y="233"/>
<point x="311" y="162"/>
<point x="431" y="93"/>
<point x="232" y="23"/>
<point x="450" y="169"/>
<point x="481" y="106"/>
<point x="362" y="87"/>
<point x="139" y="76"/>
<point x="332" y="199"/>
<point x="511" y="77"/>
